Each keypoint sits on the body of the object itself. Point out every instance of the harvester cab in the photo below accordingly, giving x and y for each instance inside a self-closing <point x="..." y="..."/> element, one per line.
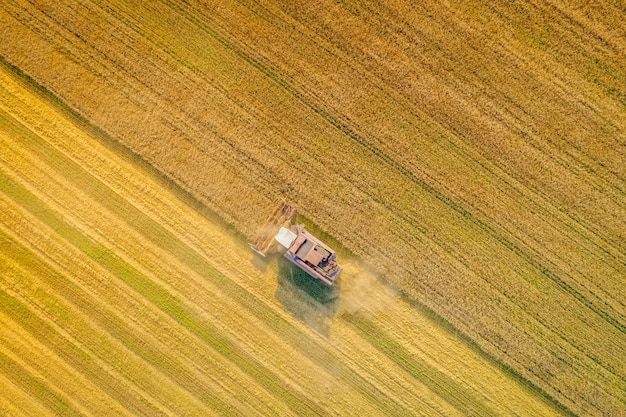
<point x="302" y="248"/>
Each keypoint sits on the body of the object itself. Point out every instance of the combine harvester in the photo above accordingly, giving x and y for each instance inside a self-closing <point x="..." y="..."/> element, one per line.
<point x="302" y="248"/>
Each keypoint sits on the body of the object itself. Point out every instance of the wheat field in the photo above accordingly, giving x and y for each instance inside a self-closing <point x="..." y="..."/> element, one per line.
<point x="466" y="161"/>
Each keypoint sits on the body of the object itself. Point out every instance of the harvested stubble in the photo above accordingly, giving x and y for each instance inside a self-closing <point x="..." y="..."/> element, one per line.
<point x="474" y="155"/>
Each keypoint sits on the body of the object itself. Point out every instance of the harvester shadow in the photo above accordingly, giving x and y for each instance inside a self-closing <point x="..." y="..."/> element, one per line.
<point x="306" y="298"/>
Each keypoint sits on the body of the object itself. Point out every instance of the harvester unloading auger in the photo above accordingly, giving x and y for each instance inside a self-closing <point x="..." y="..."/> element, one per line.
<point x="302" y="248"/>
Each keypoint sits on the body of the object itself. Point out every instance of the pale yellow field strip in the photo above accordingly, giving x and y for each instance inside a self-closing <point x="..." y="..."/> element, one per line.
<point x="44" y="365"/>
<point x="74" y="329"/>
<point x="15" y="402"/>
<point x="52" y="367"/>
<point x="159" y="329"/>
<point x="40" y="389"/>
<point x="150" y="380"/>
<point x="226" y="254"/>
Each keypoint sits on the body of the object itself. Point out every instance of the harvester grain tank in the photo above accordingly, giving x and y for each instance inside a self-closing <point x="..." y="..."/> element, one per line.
<point x="301" y="247"/>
